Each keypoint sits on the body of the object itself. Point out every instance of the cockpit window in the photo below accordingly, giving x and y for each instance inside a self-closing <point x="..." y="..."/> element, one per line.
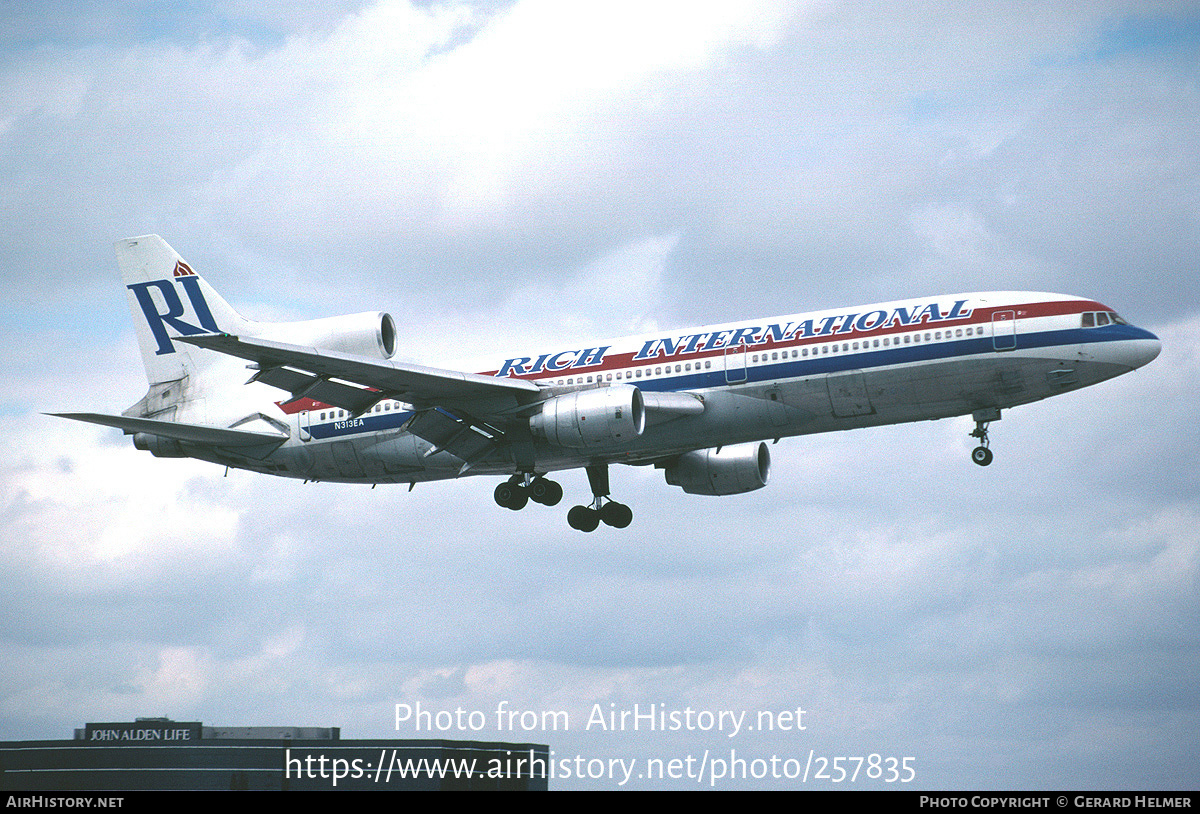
<point x="1096" y="319"/>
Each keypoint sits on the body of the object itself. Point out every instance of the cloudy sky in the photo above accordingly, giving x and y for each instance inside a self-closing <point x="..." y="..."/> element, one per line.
<point x="505" y="173"/>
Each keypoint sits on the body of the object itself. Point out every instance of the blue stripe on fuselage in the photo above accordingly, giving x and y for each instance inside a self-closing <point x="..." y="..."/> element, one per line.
<point x="367" y="422"/>
<point x="758" y="373"/>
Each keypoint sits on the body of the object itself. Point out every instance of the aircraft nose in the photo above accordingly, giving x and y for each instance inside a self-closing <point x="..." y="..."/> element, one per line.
<point x="1141" y="349"/>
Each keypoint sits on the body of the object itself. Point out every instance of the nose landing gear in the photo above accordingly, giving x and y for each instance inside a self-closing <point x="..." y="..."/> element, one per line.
<point x="982" y="455"/>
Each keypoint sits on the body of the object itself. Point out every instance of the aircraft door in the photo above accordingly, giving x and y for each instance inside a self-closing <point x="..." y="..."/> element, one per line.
<point x="1004" y="330"/>
<point x="735" y="364"/>
<point x="302" y="424"/>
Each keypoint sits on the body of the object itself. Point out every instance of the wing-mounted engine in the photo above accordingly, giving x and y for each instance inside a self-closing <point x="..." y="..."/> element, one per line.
<point x="728" y="470"/>
<point x="371" y="334"/>
<point x="591" y="418"/>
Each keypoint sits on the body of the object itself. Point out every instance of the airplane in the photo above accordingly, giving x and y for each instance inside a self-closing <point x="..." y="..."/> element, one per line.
<point x="325" y="402"/>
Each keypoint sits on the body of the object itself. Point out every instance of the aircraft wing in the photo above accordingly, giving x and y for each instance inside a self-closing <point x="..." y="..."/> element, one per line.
<point x="465" y="414"/>
<point x="355" y="383"/>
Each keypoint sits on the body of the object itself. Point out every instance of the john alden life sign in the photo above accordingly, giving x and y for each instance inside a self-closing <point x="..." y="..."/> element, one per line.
<point x="144" y="733"/>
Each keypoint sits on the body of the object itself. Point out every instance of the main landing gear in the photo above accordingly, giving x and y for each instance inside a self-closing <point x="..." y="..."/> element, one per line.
<point x="516" y="492"/>
<point x="603" y="508"/>
<point x="982" y="455"/>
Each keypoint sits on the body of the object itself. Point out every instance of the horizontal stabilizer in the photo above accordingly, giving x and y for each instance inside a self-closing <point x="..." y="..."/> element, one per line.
<point x="191" y="433"/>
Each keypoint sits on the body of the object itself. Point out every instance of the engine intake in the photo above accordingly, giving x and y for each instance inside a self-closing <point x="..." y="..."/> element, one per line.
<point x="723" y="471"/>
<point x="592" y="418"/>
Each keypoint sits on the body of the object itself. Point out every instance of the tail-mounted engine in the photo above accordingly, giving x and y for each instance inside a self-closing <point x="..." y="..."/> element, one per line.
<point x="592" y="418"/>
<point x="371" y="334"/>
<point x="722" y="471"/>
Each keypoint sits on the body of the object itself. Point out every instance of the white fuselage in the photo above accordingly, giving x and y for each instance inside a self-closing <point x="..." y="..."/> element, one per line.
<point x="793" y="375"/>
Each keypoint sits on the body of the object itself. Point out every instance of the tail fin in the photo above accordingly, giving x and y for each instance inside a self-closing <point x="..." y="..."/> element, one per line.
<point x="168" y="299"/>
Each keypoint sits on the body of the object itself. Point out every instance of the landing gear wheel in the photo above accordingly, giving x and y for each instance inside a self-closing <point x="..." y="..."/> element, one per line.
<point x="583" y="518"/>
<point x="546" y="492"/>
<point x="603" y="508"/>
<point x="981" y="456"/>
<point x="617" y="515"/>
<point x="511" y="495"/>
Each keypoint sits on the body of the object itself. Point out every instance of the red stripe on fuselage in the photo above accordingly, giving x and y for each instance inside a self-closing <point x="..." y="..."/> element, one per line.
<point x="978" y="316"/>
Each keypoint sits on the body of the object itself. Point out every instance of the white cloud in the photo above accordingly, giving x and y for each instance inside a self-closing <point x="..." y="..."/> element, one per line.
<point x="539" y="171"/>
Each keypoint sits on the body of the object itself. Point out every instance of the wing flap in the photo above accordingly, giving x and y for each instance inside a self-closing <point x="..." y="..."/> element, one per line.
<point x="464" y="438"/>
<point x="305" y="385"/>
